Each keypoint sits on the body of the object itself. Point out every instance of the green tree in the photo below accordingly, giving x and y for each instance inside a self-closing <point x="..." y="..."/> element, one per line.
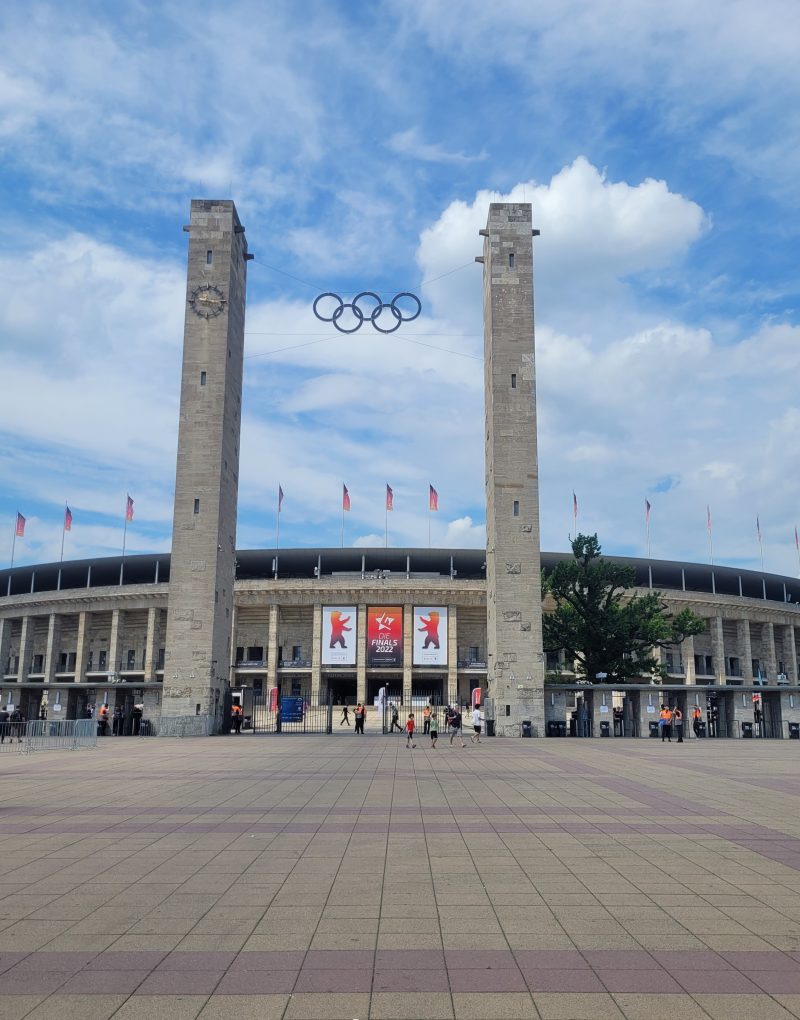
<point x="600" y="625"/>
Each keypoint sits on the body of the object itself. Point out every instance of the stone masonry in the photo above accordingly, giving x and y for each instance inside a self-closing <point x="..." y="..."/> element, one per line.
<point x="206" y="486"/>
<point x="514" y="602"/>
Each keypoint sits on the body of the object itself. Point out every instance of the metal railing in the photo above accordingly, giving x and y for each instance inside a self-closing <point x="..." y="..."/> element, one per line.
<point x="47" y="735"/>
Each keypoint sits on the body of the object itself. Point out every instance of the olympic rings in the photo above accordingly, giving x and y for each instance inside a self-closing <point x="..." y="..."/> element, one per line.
<point x="360" y="314"/>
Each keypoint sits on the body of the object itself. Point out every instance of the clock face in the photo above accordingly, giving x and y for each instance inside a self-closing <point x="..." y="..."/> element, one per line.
<point x="207" y="301"/>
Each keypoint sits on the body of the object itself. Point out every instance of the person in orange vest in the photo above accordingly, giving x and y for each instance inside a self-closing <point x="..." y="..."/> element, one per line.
<point x="102" y="719"/>
<point x="666" y="723"/>
<point x="236" y="717"/>
<point x="697" y="716"/>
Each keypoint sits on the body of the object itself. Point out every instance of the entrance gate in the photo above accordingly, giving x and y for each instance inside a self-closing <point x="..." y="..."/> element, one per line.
<point x="304" y="712"/>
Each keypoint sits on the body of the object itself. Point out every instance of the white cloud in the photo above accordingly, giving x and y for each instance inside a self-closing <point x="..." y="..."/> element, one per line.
<point x="410" y="143"/>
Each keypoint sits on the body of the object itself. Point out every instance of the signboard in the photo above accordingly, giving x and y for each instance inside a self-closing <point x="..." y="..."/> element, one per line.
<point x="430" y="636"/>
<point x="339" y="635"/>
<point x="291" y="709"/>
<point x="385" y="636"/>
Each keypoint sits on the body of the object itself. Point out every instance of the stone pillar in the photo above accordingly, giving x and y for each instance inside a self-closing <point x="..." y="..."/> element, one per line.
<point x="768" y="644"/>
<point x="745" y="649"/>
<point x="687" y="653"/>
<point x="52" y="647"/>
<point x="203" y="564"/>
<point x="114" y="640"/>
<point x="25" y="645"/>
<point x="361" y="655"/>
<point x="513" y="561"/>
<point x="5" y="646"/>
<point x="272" y="648"/>
<point x="452" y="654"/>
<point x="718" y="649"/>
<point x="150" y="645"/>
<point x="316" y="652"/>
<point x="408" y="652"/>
<point x="82" y="647"/>
<point x="790" y="652"/>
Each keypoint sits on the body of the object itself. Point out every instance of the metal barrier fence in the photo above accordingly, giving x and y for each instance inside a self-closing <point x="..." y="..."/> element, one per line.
<point x="47" y="735"/>
<point x="301" y="712"/>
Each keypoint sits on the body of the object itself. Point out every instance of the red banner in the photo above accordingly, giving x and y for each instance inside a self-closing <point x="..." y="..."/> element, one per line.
<point x="20" y="528"/>
<point x="385" y="636"/>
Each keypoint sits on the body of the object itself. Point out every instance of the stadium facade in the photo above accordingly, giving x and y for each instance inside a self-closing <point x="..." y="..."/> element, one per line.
<point x="178" y="634"/>
<point x="71" y="635"/>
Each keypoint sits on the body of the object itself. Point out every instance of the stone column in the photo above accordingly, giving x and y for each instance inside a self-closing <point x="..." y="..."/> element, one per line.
<point x="790" y="652"/>
<point x="745" y="649"/>
<point x="768" y="643"/>
<point x="361" y="655"/>
<point x="408" y="652"/>
<point x="82" y="649"/>
<point x="25" y="644"/>
<point x="272" y="648"/>
<point x="452" y="653"/>
<point x="114" y="640"/>
<point x="5" y="646"/>
<point x="718" y="649"/>
<point x="316" y="652"/>
<point x="687" y="653"/>
<point x="150" y="645"/>
<point x="52" y="647"/>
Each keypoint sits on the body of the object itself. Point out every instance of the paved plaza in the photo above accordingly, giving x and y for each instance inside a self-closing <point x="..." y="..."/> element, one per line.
<point x="336" y="876"/>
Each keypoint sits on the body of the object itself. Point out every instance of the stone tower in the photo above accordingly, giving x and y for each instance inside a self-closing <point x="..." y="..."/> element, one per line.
<point x="207" y="478"/>
<point x="513" y="570"/>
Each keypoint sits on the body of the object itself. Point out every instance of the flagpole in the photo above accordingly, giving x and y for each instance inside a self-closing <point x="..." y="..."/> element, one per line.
<point x="278" y="526"/>
<point x="386" y="527"/>
<point x="797" y="547"/>
<point x="648" y="538"/>
<point x="342" y="521"/>
<point x="710" y="537"/>
<point x="124" y="540"/>
<point x="63" y="532"/>
<point x="429" y="521"/>
<point x="13" y="547"/>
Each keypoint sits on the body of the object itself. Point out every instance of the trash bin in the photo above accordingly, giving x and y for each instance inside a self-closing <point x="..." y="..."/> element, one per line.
<point x="562" y="728"/>
<point x="653" y="729"/>
<point x="794" y="731"/>
<point x="490" y="727"/>
<point x="701" y="729"/>
<point x="605" y="729"/>
<point x="526" y="728"/>
<point x="747" y="729"/>
<point x="552" y="728"/>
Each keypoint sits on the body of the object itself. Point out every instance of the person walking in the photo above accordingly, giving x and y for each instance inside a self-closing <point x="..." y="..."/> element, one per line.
<point x="434" y="730"/>
<point x="359" y="715"/>
<point x="677" y="722"/>
<point x="454" y="724"/>
<point x="345" y="715"/>
<point x="697" y="717"/>
<point x="410" y="730"/>
<point x="236" y="717"/>
<point x="395" y="719"/>
<point x="116" y="722"/>
<point x="102" y="720"/>
<point x="426" y="719"/>
<point x="476" y="725"/>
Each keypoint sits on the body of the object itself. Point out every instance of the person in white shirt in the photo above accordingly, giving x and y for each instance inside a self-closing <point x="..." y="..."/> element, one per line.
<point x="476" y="725"/>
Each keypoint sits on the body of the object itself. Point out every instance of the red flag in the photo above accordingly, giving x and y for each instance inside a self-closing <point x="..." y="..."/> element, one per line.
<point x="389" y="498"/>
<point x="67" y="519"/>
<point x="345" y="499"/>
<point x="129" y="510"/>
<point x="20" y="528"/>
<point x="708" y="518"/>
<point x="280" y="498"/>
<point x="647" y="511"/>
<point x="433" y="498"/>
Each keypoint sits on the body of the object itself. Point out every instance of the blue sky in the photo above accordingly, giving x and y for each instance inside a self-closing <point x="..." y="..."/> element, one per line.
<point x="362" y="144"/>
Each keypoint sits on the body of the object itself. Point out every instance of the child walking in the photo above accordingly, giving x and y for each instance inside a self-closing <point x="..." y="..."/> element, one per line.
<point x="410" y="731"/>
<point x="434" y="730"/>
